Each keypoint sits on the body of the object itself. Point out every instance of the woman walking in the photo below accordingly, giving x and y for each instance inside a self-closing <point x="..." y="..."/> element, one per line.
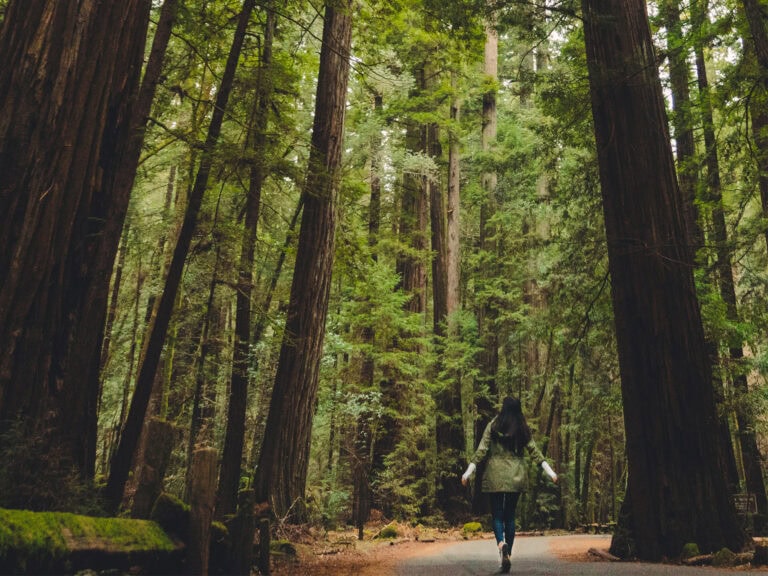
<point x="506" y="477"/>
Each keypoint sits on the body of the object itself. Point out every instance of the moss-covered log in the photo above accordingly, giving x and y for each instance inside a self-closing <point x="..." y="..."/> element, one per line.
<point x="62" y="543"/>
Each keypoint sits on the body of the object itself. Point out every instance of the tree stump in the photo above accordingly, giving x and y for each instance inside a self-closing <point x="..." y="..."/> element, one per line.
<point x="157" y="453"/>
<point x="202" y="496"/>
<point x="243" y="530"/>
<point x="761" y="555"/>
<point x="265" y="538"/>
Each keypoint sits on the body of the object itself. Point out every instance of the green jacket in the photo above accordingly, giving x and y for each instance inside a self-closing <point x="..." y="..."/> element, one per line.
<point x="504" y="471"/>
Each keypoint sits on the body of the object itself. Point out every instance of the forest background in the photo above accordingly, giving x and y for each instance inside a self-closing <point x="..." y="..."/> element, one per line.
<point x="342" y="330"/>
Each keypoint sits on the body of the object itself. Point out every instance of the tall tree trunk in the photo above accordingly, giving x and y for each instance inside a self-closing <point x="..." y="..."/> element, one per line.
<point x="487" y="312"/>
<point x="449" y="425"/>
<point x="453" y="271"/>
<point x="438" y="211"/>
<point x="282" y="470"/>
<point x="68" y="86"/>
<point x="161" y="316"/>
<point x="363" y="442"/>
<point x="677" y="490"/>
<point x="229" y="474"/>
<point x="750" y="453"/>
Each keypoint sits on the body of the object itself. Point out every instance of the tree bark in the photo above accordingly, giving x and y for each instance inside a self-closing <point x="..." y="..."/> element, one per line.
<point x="159" y="438"/>
<point x="231" y="459"/>
<point x="68" y="86"/>
<point x="201" y="508"/>
<point x="161" y="316"/>
<point x="677" y="490"/>
<point x="284" y="459"/>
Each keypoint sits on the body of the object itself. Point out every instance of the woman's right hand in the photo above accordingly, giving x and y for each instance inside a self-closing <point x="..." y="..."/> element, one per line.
<point x="468" y="473"/>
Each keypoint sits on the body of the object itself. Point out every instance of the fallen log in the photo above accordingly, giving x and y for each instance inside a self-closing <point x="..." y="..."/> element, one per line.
<point x="603" y="554"/>
<point x="708" y="559"/>
<point x="63" y="543"/>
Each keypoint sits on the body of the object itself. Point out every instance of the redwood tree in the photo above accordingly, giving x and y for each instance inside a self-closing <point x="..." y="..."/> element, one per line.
<point x="283" y="462"/>
<point x="677" y="489"/>
<point x="68" y="85"/>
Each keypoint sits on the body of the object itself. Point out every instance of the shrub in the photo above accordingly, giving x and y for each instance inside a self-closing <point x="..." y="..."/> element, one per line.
<point x="723" y="557"/>
<point x="389" y="531"/>
<point x="25" y="484"/>
<point x="690" y="550"/>
<point x="472" y="528"/>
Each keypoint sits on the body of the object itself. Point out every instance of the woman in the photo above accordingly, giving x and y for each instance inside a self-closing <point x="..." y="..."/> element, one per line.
<point x="506" y="475"/>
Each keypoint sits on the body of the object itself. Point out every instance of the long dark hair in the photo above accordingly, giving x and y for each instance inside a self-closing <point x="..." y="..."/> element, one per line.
<point x="510" y="428"/>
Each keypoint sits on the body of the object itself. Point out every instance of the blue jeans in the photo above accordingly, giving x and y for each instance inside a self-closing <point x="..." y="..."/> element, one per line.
<point x="503" y="505"/>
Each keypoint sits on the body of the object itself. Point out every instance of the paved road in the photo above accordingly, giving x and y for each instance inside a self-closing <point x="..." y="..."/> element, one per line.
<point x="531" y="556"/>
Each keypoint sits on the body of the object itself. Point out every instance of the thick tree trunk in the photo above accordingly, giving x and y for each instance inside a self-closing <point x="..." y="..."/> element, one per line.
<point x="68" y="84"/>
<point x="284" y="459"/>
<point x="677" y="490"/>
<point x="161" y="316"/>
<point x="231" y="459"/>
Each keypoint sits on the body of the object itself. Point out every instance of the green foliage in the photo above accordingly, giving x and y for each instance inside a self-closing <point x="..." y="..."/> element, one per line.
<point x="690" y="550"/>
<point x="282" y="547"/>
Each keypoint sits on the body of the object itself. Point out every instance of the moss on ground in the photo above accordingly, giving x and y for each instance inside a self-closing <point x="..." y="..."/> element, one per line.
<point x="35" y="542"/>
